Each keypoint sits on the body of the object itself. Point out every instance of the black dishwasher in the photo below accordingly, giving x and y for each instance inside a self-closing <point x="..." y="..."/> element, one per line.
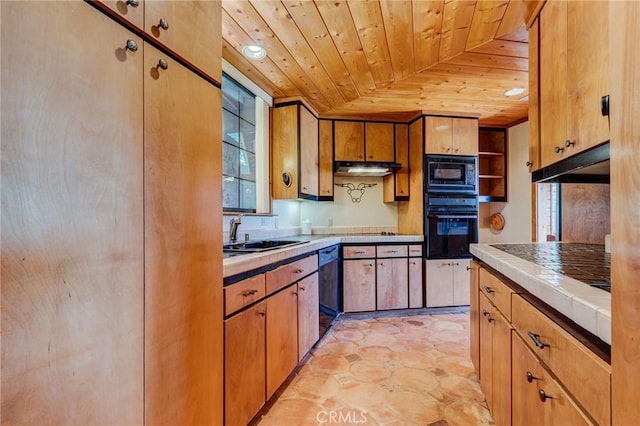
<point x="329" y="286"/>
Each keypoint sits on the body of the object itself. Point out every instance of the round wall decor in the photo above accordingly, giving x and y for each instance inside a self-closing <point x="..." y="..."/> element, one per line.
<point x="496" y="222"/>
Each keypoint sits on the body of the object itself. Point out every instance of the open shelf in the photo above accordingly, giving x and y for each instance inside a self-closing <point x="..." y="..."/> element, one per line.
<point x="492" y="164"/>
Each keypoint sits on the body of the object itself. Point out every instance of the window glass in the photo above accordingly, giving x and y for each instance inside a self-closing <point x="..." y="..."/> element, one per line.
<point x="238" y="147"/>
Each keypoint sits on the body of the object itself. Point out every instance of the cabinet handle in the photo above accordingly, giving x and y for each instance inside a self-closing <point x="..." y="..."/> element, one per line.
<point x="359" y="252"/>
<point x="448" y="149"/>
<point x="485" y="312"/>
<point x="528" y="164"/>
<point x="302" y="288"/>
<point x="248" y="293"/>
<point x="604" y="105"/>
<point x="261" y="313"/>
<point x="543" y="396"/>
<point x="488" y="289"/>
<point x="295" y="293"/>
<point x="468" y="268"/>
<point x="569" y="143"/>
<point x="164" y="24"/>
<point x="371" y="264"/>
<point x="133" y="3"/>
<point x="131" y="45"/>
<point x="536" y="339"/>
<point x="298" y="271"/>
<point x="391" y="251"/>
<point x="456" y="150"/>
<point x="530" y="377"/>
<point x="559" y="149"/>
<point x="162" y="63"/>
<point x="456" y="264"/>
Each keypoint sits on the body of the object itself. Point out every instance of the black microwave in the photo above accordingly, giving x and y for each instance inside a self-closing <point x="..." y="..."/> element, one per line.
<point x="451" y="174"/>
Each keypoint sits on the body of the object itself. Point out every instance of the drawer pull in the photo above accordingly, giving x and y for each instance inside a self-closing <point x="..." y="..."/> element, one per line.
<point x="530" y="377"/>
<point x="261" y="313"/>
<point x="536" y="340"/>
<point x="543" y="396"/>
<point x="359" y="252"/>
<point x="302" y="288"/>
<point x="468" y="268"/>
<point x="485" y="312"/>
<point x="391" y="251"/>
<point x="248" y="293"/>
<point x="298" y="271"/>
<point x="489" y="289"/>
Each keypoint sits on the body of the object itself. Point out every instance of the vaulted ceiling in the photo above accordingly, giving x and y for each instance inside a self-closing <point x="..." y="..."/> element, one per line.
<point x="386" y="58"/>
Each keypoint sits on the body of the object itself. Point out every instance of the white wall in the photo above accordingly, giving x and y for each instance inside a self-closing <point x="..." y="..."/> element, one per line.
<point x="517" y="210"/>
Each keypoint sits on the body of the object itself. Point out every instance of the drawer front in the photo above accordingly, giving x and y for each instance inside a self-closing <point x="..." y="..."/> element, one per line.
<point x="496" y="291"/>
<point x="415" y="251"/>
<point x="243" y="293"/>
<point x="586" y="376"/>
<point x="358" y="252"/>
<point x="290" y="273"/>
<point x="392" y="251"/>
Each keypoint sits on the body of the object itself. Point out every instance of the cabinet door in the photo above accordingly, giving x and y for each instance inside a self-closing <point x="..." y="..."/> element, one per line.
<point x="359" y="285"/>
<point x="486" y="350"/>
<point x="379" y="143"/>
<point x="244" y="365"/>
<point x="534" y="96"/>
<point x="438" y="138"/>
<point x="282" y="337"/>
<point x="438" y="283"/>
<point x="72" y="217"/>
<point x="527" y="372"/>
<point x="284" y="152"/>
<point x="553" y="81"/>
<point x="465" y="136"/>
<point x="308" y="314"/>
<point x="348" y="139"/>
<point x="588" y="73"/>
<point x="193" y="30"/>
<point x="460" y="282"/>
<point x="183" y="245"/>
<point x="501" y="369"/>
<point x="308" y="148"/>
<point x="415" y="283"/>
<point x="474" y="314"/>
<point x="326" y="159"/>
<point x="392" y="283"/>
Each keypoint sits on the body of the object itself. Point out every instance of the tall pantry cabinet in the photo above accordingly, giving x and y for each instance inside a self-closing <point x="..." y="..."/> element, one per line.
<point x="111" y="248"/>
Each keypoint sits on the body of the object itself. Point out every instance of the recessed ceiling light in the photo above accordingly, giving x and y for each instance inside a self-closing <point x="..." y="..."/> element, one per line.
<point x="254" y="52"/>
<point x="515" y="91"/>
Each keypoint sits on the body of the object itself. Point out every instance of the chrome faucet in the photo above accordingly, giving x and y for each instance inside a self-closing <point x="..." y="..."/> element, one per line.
<point x="233" y="228"/>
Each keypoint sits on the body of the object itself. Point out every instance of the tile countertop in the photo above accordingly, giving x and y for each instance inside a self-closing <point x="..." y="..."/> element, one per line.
<point x="587" y="306"/>
<point x="246" y="262"/>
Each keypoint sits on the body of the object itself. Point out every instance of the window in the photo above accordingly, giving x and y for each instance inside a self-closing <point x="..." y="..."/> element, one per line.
<point x="548" y="211"/>
<point x="238" y="147"/>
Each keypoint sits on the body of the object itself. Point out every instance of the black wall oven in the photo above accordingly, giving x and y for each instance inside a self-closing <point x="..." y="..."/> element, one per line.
<point x="451" y="224"/>
<point x="450" y="174"/>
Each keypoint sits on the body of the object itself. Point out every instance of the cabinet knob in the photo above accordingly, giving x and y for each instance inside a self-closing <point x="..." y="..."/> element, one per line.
<point x="295" y="293"/>
<point x="488" y="289"/>
<point x="298" y="271"/>
<point x="559" y="149"/>
<point x="543" y="396"/>
<point x="261" y="313"/>
<point x="164" y="24"/>
<point x="530" y="377"/>
<point x="485" y="312"/>
<point x="302" y="288"/>
<point x="133" y="3"/>
<point x="456" y="150"/>
<point x="528" y="164"/>
<point x="162" y="63"/>
<point x="131" y="45"/>
<point x="568" y="143"/>
<point x="536" y="339"/>
<point x="248" y="293"/>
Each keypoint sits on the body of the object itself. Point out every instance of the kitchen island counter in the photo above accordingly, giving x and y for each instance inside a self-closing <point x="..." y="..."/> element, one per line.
<point x="241" y="263"/>
<point x="588" y="307"/>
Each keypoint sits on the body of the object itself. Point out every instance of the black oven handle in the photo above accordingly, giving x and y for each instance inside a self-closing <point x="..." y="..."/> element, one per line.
<point x="450" y="216"/>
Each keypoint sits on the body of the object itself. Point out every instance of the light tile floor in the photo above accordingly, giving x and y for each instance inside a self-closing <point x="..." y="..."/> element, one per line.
<point x="411" y="370"/>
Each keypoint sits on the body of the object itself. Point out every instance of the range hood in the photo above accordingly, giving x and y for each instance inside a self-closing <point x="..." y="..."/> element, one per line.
<point x="590" y="166"/>
<point x="364" y="168"/>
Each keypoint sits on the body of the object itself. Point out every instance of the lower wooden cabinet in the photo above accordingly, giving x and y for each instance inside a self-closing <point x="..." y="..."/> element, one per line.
<point x="447" y="282"/>
<point x="359" y="285"/>
<point x="282" y="336"/>
<point x="474" y="314"/>
<point x="245" y="362"/>
<point x="416" y="299"/>
<point x="308" y="314"/>
<point x="536" y="397"/>
<point x="392" y="284"/>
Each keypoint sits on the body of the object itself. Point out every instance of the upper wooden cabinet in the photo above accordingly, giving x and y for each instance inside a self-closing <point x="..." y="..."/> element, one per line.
<point x="297" y="170"/>
<point x="573" y="69"/>
<point x="325" y="128"/>
<point x="348" y="140"/>
<point x="379" y="141"/>
<point x="396" y="185"/>
<point x="192" y="30"/>
<point x="448" y="135"/>
<point x="533" y="163"/>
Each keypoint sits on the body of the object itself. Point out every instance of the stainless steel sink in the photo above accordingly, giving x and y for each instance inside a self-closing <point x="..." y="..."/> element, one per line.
<point x="259" y="246"/>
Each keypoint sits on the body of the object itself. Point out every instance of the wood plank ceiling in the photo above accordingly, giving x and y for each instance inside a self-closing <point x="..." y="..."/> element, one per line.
<point x="390" y="59"/>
